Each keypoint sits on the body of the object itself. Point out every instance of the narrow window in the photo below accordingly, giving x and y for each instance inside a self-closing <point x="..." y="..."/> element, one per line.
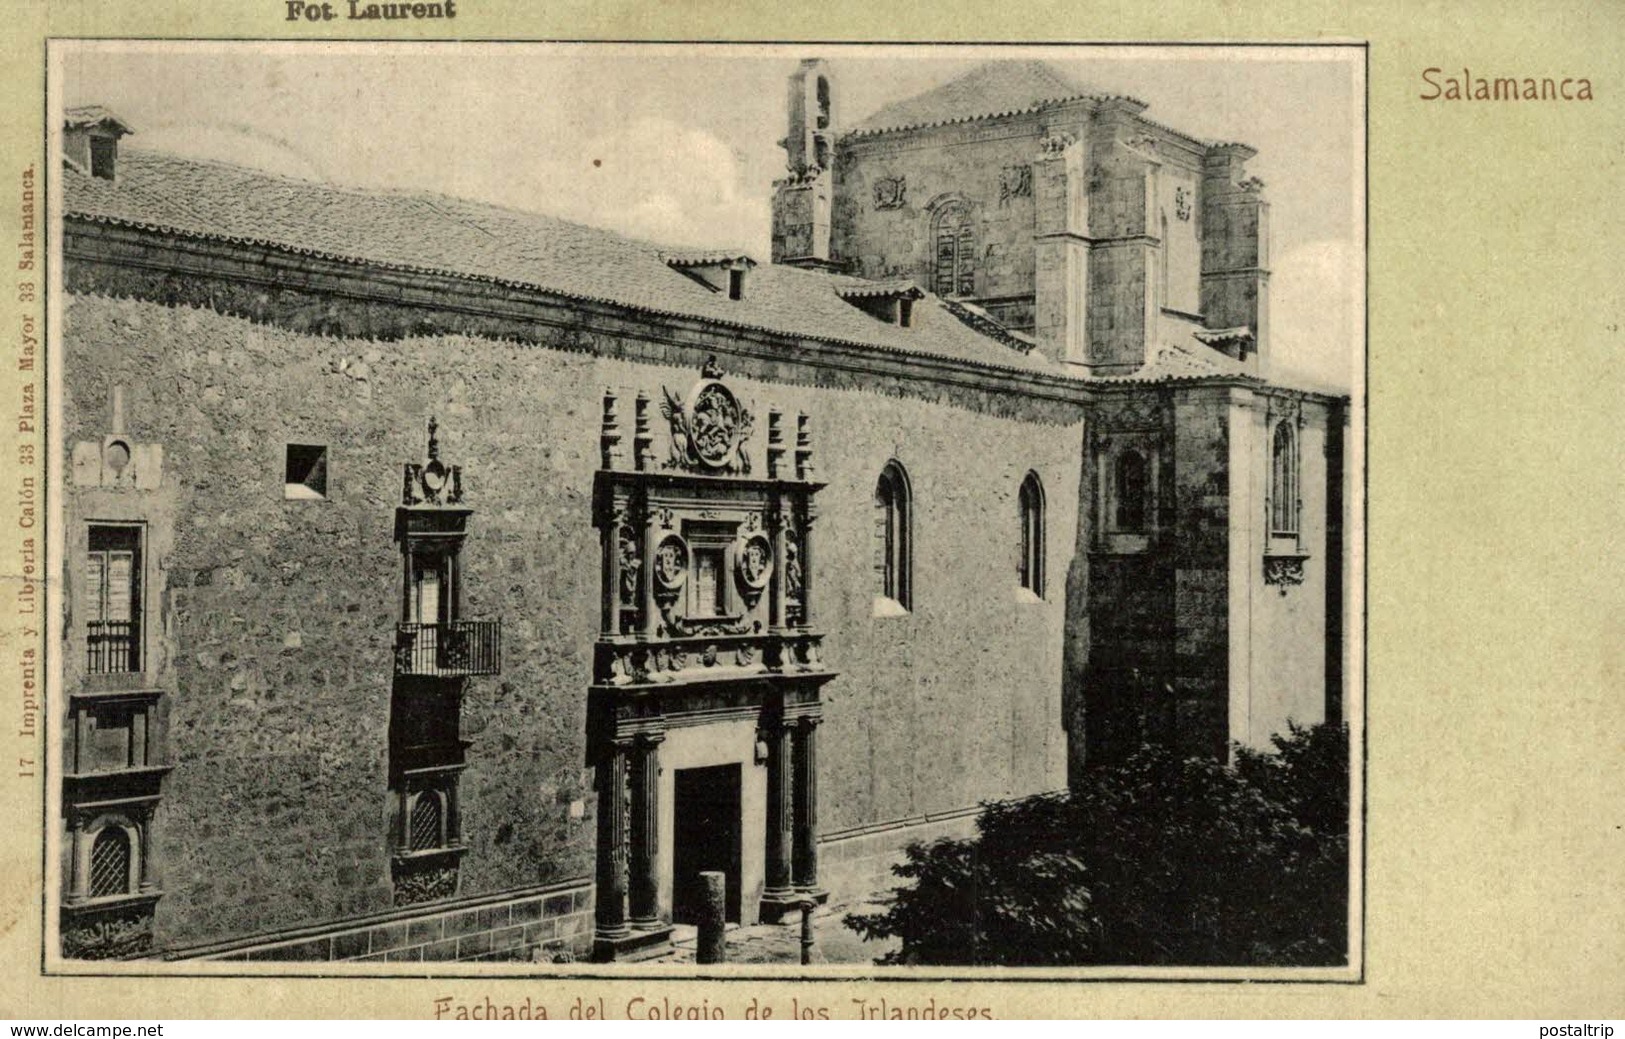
<point x="110" y="863"/>
<point x="1162" y="261"/>
<point x="1032" y="535"/>
<point x="893" y="513"/>
<point x="905" y="312"/>
<point x="1133" y="492"/>
<point x="955" y="252"/>
<point x="823" y="103"/>
<point x="306" y="472"/>
<point x="710" y="585"/>
<point x="736" y="284"/>
<point x="113" y="591"/>
<point x="1284" y="480"/>
<point x="428" y="822"/>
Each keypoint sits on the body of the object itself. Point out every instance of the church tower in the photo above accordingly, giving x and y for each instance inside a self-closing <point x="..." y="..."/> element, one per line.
<point x="801" y="201"/>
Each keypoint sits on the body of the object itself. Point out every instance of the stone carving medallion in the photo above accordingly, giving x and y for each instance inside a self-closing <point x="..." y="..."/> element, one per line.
<point x="1182" y="203"/>
<point x="1284" y="571"/>
<point x="1015" y="182"/>
<point x="671" y="562"/>
<point x="755" y="561"/>
<point x="425" y="884"/>
<point x="709" y="429"/>
<point x="432" y="482"/>
<point x="891" y="192"/>
<point x="1053" y="144"/>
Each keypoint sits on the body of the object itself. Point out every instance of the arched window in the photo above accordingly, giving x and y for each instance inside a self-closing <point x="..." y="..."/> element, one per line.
<point x="1133" y="486"/>
<point x="1032" y="535"/>
<point x="955" y="251"/>
<point x="110" y="863"/>
<point x="1284" y="479"/>
<point x="893" y="515"/>
<point x="428" y="815"/>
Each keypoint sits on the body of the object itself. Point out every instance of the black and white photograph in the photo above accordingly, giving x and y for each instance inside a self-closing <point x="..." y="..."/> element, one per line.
<point x="706" y="510"/>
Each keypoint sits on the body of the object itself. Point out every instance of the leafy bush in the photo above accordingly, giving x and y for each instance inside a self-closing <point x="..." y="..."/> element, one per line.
<point x="1160" y="860"/>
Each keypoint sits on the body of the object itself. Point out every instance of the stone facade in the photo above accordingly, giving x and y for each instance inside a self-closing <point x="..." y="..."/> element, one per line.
<point x="359" y="721"/>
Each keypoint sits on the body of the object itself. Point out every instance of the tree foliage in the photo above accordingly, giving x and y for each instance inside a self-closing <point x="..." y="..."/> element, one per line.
<point x="1159" y="860"/>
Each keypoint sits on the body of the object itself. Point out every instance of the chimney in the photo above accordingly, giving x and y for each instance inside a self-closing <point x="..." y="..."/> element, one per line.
<point x="90" y="136"/>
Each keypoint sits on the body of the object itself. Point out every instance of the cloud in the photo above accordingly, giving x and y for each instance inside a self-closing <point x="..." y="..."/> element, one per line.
<point x="653" y="179"/>
<point x="1315" y="294"/>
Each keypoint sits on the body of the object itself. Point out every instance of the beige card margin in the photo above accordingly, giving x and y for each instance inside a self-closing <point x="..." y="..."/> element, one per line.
<point x="1494" y="863"/>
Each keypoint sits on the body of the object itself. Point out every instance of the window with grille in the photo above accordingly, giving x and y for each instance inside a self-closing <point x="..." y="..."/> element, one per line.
<point x="1032" y="535"/>
<point x="428" y="822"/>
<point x="1283" y="502"/>
<point x="113" y="600"/>
<point x="1132" y="484"/>
<point x="955" y="252"/>
<point x="893" y="510"/>
<point x="110" y="863"/>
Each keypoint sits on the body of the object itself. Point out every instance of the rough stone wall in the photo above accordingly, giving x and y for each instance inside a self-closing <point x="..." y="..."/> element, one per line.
<point x="279" y="615"/>
<point x="1202" y="635"/>
<point x="1119" y="291"/>
<point x="940" y="164"/>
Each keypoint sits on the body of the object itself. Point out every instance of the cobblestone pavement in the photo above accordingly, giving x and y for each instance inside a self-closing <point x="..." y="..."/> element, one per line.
<point x="833" y="941"/>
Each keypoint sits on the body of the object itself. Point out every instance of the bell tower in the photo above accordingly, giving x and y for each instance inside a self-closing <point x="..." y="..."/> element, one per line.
<point x="801" y="201"/>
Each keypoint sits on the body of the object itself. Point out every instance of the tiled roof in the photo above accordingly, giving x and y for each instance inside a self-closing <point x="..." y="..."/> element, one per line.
<point x="714" y="258"/>
<point x="439" y="234"/>
<point x="94" y="115"/>
<point x="897" y="287"/>
<point x="996" y="88"/>
<point x="1176" y="362"/>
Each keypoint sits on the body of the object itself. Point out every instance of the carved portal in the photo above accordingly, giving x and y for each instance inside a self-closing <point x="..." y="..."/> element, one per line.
<point x="707" y="569"/>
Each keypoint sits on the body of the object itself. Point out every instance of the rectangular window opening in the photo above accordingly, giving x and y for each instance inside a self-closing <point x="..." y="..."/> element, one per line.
<point x="709" y="585"/>
<point x="305" y="477"/>
<point x="113" y="597"/>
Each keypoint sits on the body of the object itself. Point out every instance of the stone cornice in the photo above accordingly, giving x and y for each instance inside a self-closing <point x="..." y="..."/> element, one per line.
<point x="268" y="265"/>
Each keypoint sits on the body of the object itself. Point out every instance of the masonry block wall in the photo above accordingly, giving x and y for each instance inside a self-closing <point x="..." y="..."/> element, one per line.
<point x="989" y="168"/>
<point x="1117" y="205"/>
<point x="279" y="616"/>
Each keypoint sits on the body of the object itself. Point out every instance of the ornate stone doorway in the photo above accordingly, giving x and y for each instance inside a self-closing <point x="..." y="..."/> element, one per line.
<point x="705" y="696"/>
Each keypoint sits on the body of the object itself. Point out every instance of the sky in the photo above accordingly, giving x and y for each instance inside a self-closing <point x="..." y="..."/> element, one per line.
<point x="678" y="143"/>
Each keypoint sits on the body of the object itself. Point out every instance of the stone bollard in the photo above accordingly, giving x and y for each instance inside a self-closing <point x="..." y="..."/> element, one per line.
<point x="713" y="946"/>
<point x="807" y="931"/>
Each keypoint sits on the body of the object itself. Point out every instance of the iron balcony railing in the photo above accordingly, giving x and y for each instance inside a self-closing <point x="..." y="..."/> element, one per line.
<point x="113" y="647"/>
<point x="454" y="649"/>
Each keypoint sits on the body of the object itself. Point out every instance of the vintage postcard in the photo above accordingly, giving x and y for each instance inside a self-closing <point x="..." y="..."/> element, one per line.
<point x="658" y="529"/>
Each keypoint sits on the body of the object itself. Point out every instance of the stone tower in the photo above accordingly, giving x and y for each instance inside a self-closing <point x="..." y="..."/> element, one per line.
<point x="801" y="201"/>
